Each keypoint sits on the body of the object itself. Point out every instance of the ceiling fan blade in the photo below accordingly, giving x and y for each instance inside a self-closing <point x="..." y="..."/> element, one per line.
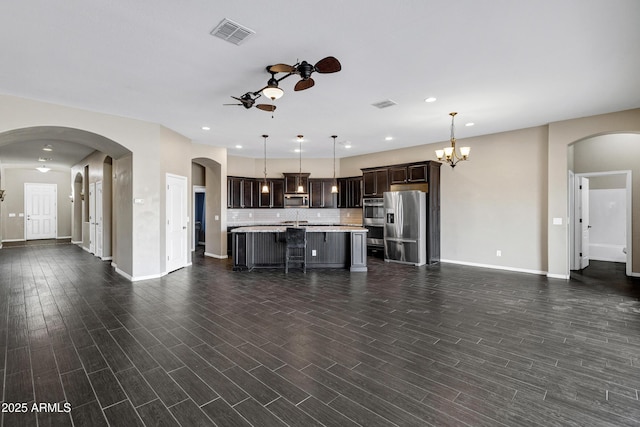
<point x="328" y="65"/>
<point x="304" y="84"/>
<point x="266" y="107"/>
<point x="281" y="68"/>
<point x="233" y="104"/>
<point x="246" y="102"/>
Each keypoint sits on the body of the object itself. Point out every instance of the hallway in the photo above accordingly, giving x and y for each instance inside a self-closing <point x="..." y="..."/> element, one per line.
<point x="436" y="345"/>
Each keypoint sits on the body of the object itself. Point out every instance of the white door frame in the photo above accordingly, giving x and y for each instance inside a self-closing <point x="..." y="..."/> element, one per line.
<point x="177" y="229"/>
<point x="572" y="210"/>
<point x="98" y="220"/>
<point x="196" y="189"/>
<point x="92" y="217"/>
<point x="53" y="188"/>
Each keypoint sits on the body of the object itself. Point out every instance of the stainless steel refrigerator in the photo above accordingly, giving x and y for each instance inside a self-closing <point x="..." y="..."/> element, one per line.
<point x="405" y="227"/>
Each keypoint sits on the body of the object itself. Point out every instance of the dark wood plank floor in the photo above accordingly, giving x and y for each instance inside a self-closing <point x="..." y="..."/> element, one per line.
<point x="440" y="345"/>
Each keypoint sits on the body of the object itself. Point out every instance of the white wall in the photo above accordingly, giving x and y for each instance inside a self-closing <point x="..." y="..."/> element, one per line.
<point x="607" y="218"/>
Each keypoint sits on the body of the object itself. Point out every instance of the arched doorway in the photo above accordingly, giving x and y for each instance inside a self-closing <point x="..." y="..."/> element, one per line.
<point x="606" y="232"/>
<point x="215" y="235"/>
<point x="90" y="159"/>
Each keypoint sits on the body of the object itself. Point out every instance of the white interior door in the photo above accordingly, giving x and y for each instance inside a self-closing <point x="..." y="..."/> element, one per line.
<point x="92" y="218"/>
<point x="40" y="208"/>
<point x="584" y="222"/>
<point x="177" y="222"/>
<point x="98" y="221"/>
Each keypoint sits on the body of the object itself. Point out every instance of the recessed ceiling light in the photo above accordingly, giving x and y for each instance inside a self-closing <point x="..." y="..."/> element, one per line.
<point x="430" y="99"/>
<point x="206" y="128"/>
<point x="48" y="147"/>
<point x="388" y="138"/>
<point x="469" y="124"/>
<point x="44" y="159"/>
<point x="297" y="150"/>
<point x="238" y="146"/>
<point x="347" y="145"/>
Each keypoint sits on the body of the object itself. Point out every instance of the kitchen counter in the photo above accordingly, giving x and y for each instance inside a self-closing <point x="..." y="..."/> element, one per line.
<point x="328" y="246"/>
<point x="310" y="228"/>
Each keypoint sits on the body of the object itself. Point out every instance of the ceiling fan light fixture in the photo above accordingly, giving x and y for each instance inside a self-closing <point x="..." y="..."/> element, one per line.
<point x="43" y="169"/>
<point x="273" y="92"/>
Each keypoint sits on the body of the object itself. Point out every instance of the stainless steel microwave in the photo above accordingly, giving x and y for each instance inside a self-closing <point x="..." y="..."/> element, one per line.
<point x="296" y="200"/>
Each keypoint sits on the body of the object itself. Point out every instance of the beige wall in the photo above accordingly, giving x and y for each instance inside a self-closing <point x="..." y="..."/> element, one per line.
<point x="254" y="168"/>
<point x="13" y="182"/>
<point x="197" y="175"/>
<point x="495" y="201"/>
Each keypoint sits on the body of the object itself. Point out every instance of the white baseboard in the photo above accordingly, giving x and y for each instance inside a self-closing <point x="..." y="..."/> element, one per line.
<point x="85" y="249"/>
<point x="216" y="256"/>
<point x="152" y="276"/>
<point x="138" y="278"/>
<point x="558" y="276"/>
<point x="106" y="258"/>
<point x="63" y="237"/>
<point x="495" y="267"/>
<point x="114" y="265"/>
<point x="13" y="240"/>
<point x="123" y="274"/>
<point x="76" y="242"/>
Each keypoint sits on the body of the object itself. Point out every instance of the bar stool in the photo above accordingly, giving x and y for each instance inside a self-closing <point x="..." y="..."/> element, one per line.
<point x="296" y="252"/>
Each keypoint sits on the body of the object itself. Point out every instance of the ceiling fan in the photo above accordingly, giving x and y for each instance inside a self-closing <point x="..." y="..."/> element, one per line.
<point x="248" y="100"/>
<point x="304" y="69"/>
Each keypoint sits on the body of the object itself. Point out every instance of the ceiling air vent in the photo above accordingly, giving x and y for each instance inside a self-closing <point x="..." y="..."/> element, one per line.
<point x="232" y="32"/>
<point x="384" y="104"/>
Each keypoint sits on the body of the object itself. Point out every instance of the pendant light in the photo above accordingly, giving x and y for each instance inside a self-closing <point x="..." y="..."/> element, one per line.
<point x="265" y="186"/>
<point x="449" y="154"/>
<point x="334" y="187"/>
<point x="300" y="187"/>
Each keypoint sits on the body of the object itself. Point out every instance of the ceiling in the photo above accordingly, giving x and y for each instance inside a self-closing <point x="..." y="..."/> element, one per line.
<point x="501" y="64"/>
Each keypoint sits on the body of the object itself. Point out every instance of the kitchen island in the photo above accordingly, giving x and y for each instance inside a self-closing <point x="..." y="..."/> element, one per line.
<point x="328" y="246"/>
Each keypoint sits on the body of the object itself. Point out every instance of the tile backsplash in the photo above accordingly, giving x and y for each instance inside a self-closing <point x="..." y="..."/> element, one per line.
<point x="237" y="217"/>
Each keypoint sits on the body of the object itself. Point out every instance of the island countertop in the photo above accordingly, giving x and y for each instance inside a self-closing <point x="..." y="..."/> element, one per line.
<point x="310" y="229"/>
<point x="327" y="246"/>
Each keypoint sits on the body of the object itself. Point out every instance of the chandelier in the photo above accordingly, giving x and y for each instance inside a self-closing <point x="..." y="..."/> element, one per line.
<point x="449" y="154"/>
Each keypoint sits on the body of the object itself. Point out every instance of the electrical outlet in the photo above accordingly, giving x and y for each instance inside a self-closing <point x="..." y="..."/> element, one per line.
<point x="498" y="252"/>
<point x="313" y="252"/>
